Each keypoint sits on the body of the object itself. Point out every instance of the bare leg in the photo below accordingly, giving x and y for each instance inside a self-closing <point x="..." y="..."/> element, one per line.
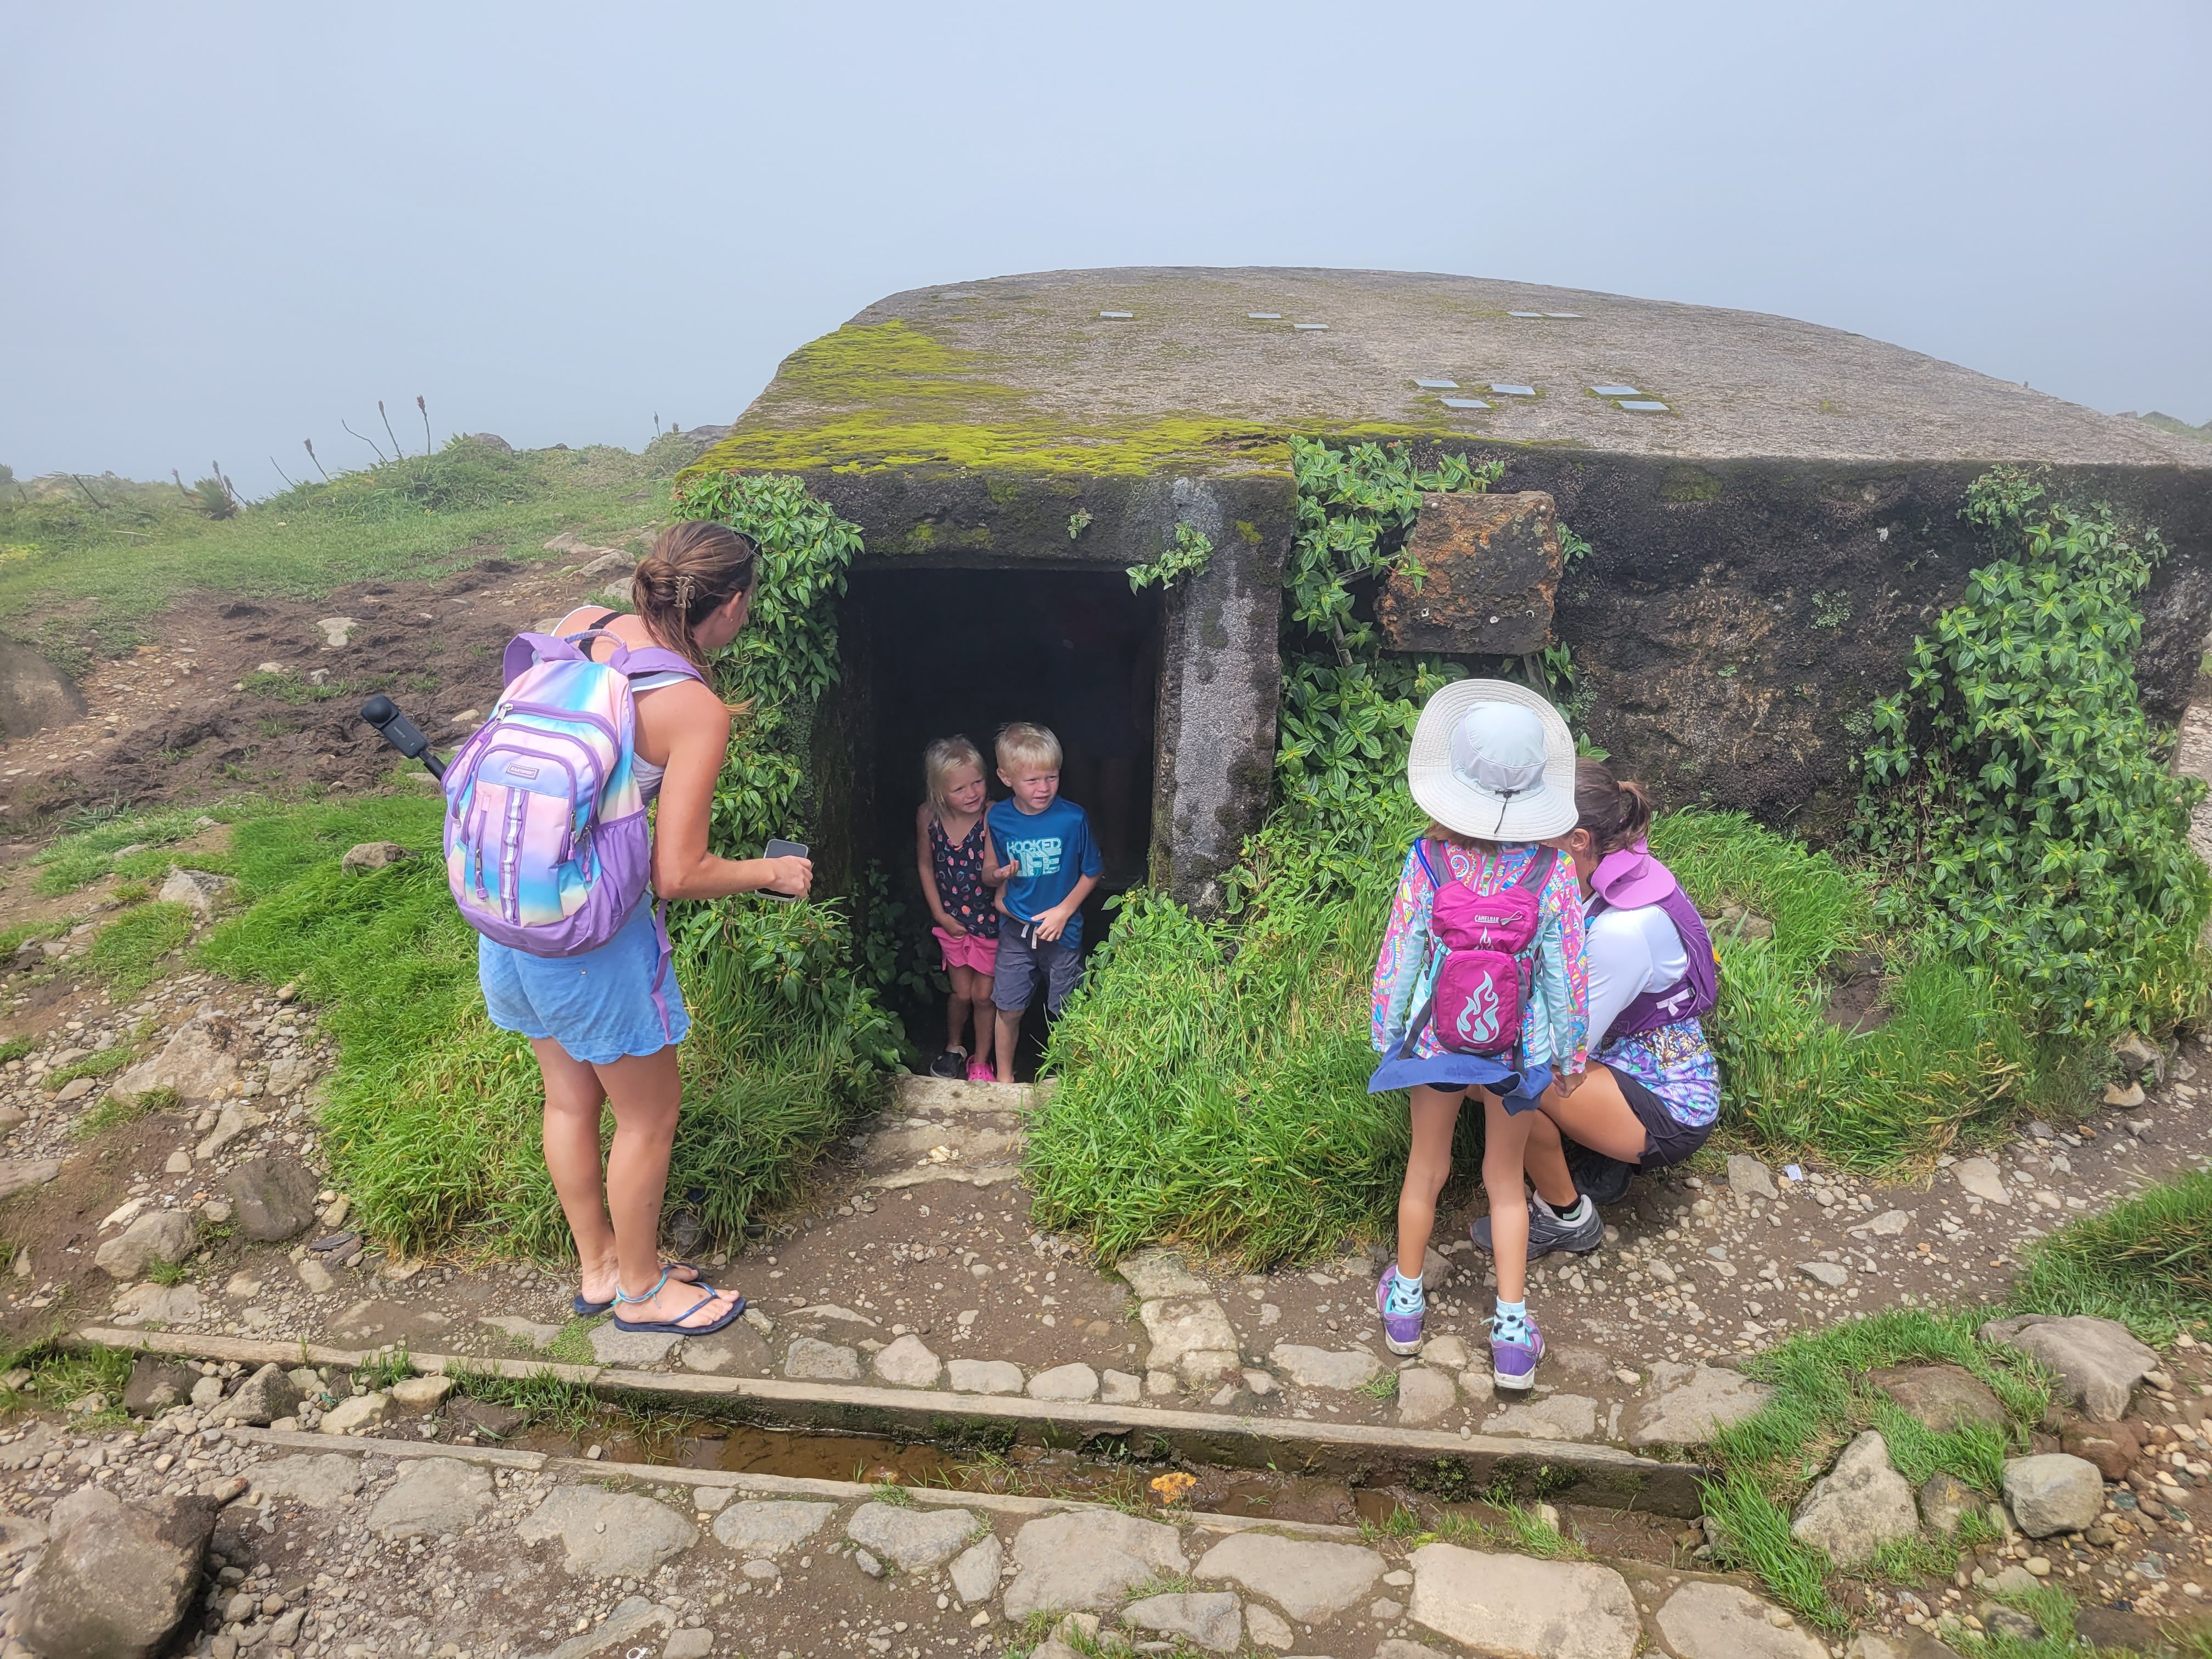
<point x="986" y="1017"/>
<point x="1599" y="1116"/>
<point x="1428" y="1166"/>
<point x="1506" y="1138"/>
<point x="645" y="1092"/>
<point x="1547" y="1165"/>
<point x="573" y="1099"/>
<point x="1009" y="1042"/>
<point x="960" y="1006"/>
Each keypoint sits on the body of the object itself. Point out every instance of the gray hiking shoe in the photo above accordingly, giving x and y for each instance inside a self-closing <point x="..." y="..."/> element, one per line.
<point x="1547" y="1233"/>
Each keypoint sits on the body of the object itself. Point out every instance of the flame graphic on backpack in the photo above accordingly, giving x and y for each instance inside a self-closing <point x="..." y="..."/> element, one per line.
<point x="1482" y="989"/>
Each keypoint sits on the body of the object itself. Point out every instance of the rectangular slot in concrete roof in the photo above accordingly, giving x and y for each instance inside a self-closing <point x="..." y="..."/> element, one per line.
<point x="1437" y="386"/>
<point x="1309" y="325"/>
<point x="1465" y="403"/>
<point x="1616" y="392"/>
<point x="1507" y="389"/>
<point x="1643" y="406"/>
<point x="1121" y="316"/>
<point x="1264" y="316"/>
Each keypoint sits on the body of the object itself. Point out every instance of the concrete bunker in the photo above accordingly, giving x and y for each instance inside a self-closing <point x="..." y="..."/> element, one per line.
<point x="1771" y="508"/>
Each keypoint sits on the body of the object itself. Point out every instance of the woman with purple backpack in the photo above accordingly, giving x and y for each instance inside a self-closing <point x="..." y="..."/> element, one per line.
<point x="1652" y="1092"/>
<point x="1480" y="985"/>
<point x="550" y="855"/>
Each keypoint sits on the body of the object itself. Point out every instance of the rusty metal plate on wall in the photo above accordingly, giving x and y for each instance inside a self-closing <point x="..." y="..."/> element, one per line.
<point x="1489" y="566"/>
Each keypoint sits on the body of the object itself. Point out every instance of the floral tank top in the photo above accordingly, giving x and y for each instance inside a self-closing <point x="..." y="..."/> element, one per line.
<point x="959" y="872"/>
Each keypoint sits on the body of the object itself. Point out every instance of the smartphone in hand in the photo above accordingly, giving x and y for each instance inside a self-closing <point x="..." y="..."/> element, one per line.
<point x="783" y="849"/>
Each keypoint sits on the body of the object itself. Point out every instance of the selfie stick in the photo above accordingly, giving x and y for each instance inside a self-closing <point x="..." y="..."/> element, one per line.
<point x="402" y="733"/>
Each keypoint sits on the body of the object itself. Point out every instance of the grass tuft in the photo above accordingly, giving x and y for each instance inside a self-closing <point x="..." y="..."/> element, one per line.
<point x="2147" y="1261"/>
<point x="126" y="954"/>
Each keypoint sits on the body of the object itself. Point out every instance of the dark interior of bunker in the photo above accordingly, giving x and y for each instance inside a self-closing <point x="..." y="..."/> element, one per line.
<point x="932" y="653"/>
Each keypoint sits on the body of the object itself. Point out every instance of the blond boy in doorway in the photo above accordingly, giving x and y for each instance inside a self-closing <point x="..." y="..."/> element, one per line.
<point x="1052" y="865"/>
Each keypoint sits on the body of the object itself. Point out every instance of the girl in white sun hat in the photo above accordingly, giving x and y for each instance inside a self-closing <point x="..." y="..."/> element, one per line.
<point x="1480" y="984"/>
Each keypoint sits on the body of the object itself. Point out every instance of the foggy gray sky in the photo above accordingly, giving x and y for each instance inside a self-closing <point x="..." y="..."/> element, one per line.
<point x="227" y="226"/>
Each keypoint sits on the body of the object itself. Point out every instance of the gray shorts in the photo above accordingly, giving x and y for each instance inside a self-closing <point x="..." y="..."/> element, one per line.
<point x="1023" y="959"/>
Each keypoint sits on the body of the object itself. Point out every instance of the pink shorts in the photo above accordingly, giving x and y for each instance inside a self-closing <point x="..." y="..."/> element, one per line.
<point x="972" y="952"/>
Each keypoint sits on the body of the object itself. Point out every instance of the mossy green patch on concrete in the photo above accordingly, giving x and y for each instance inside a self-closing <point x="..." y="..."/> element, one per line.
<point x="1689" y="484"/>
<point x="877" y="441"/>
<point x="887" y="395"/>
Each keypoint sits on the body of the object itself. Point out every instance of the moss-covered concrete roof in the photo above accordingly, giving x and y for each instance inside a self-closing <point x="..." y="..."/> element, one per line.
<point x="1026" y="372"/>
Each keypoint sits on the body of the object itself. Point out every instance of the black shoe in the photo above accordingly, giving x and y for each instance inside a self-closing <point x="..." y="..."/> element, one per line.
<point x="1547" y="1233"/>
<point x="952" y="1064"/>
<point x="1604" y="1180"/>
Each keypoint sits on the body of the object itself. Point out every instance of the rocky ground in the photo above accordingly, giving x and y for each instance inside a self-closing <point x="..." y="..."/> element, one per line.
<point x="366" y="1548"/>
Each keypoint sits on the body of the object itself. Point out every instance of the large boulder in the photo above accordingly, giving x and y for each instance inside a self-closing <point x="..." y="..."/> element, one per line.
<point x="372" y="855"/>
<point x="155" y="1385"/>
<point x="1859" y="1505"/>
<point x="161" y="1235"/>
<point x="1940" y="1397"/>
<point x="2053" y="1493"/>
<point x="2097" y="1362"/>
<point x="200" y="1062"/>
<point x="1514" y="1608"/>
<point x="273" y="1198"/>
<point x="115" y="1580"/>
<point x="1085" y="1563"/>
<point x="264" y="1397"/>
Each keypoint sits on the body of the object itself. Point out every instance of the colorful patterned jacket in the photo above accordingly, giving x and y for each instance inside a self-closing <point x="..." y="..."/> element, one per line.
<point x="1555" y="1025"/>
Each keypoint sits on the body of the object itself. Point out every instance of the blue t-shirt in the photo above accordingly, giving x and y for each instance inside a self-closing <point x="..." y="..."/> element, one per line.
<point x="1055" y="851"/>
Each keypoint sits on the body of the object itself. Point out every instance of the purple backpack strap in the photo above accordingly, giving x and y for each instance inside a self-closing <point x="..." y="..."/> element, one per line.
<point x="525" y="651"/>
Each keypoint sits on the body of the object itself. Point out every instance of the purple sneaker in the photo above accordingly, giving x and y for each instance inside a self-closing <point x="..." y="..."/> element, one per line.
<point x="1513" y="1364"/>
<point x="1401" y="1332"/>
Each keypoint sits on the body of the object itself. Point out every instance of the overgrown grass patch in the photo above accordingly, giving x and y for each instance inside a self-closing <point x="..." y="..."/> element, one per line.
<point x="1213" y="1086"/>
<point x="433" y="1118"/>
<point x="2146" y="1262"/>
<point x="97" y="578"/>
<point x="62" y="1376"/>
<point x="126" y="954"/>
<point x="1213" y="1075"/>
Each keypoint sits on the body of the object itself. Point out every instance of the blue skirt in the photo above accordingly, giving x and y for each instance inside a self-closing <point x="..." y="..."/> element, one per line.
<point x="1518" y="1089"/>
<point x="601" y="1006"/>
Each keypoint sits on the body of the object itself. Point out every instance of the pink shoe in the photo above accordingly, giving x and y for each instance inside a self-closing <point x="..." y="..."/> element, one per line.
<point x="979" y="1073"/>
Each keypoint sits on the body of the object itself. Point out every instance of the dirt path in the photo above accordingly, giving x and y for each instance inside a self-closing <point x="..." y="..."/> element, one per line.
<point x="262" y="694"/>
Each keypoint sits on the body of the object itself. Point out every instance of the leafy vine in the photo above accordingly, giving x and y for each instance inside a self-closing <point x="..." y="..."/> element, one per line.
<point x="2018" y="772"/>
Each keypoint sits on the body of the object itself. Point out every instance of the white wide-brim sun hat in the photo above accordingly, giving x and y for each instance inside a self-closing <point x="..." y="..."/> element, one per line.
<point x="1495" y="761"/>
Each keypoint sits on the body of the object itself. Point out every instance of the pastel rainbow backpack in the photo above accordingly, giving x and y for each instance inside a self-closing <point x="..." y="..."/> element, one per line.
<point x="546" y="844"/>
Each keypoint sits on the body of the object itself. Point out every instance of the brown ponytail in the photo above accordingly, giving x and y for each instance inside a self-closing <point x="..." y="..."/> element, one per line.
<point x="1615" y="813"/>
<point x="695" y="567"/>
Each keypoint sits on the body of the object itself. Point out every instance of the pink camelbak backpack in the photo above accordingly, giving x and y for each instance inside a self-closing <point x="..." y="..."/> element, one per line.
<point x="1482" y="988"/>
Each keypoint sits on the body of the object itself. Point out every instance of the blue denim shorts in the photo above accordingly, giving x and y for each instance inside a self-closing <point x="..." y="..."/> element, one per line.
<point x="599" y="1005"/>
<point x="1026" y="963"/>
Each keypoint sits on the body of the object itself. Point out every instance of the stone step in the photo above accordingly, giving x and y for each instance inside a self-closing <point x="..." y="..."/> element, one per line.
<point x="913" y="1093"/>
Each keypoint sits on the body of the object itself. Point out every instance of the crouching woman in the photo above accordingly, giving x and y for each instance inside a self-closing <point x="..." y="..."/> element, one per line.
<point x="1651" y="1093"/>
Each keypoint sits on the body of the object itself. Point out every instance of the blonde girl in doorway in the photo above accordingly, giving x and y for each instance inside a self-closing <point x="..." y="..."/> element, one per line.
<point x="955" y="859"/>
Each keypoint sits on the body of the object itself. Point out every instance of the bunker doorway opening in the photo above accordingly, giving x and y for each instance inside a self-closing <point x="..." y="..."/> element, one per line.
<point x="930" y="653"/>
